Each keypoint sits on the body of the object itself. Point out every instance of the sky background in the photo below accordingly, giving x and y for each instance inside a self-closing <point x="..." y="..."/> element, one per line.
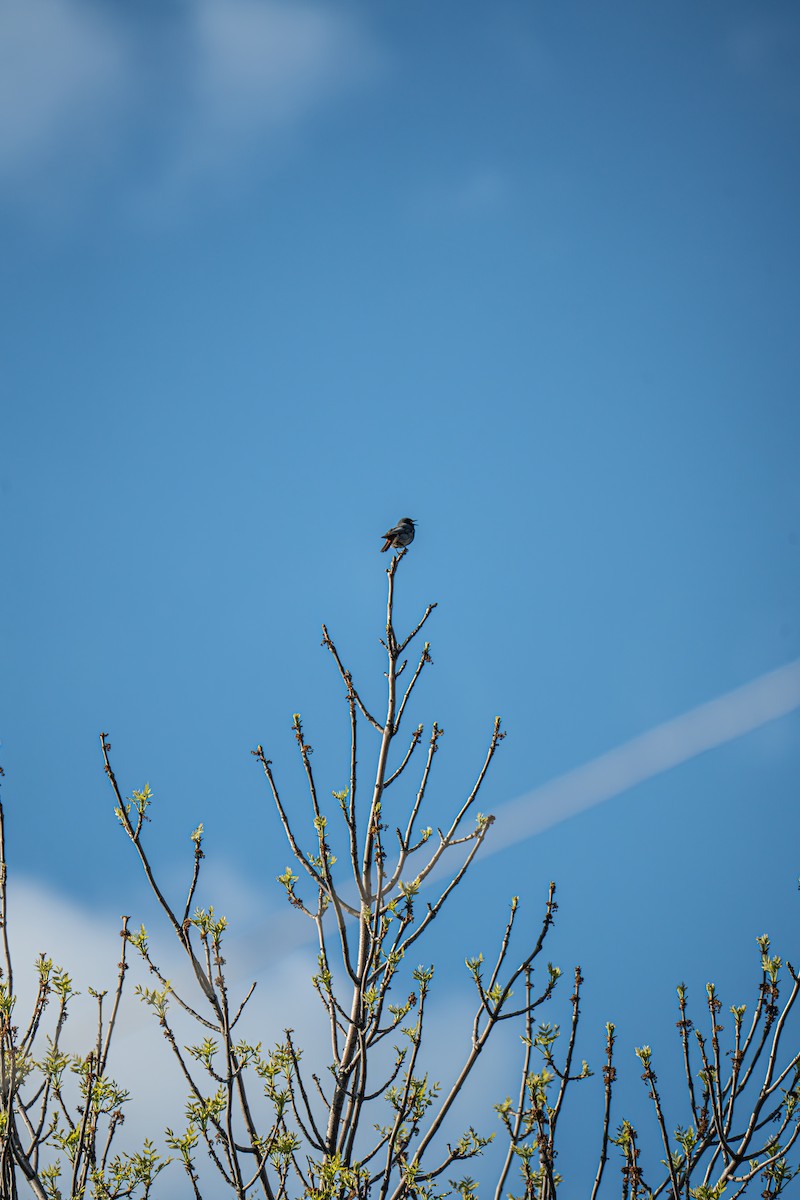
<point x="276" y="274"/>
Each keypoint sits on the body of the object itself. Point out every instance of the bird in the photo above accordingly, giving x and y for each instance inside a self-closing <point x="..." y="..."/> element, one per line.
<point x="400" y="536"/>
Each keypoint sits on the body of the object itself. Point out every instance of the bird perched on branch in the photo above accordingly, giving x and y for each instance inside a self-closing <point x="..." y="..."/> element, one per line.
<point x="401" y="535"/>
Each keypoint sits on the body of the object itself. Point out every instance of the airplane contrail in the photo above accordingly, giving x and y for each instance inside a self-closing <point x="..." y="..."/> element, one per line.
<point x="721" y="720"/>
<point x="727" y="717"/>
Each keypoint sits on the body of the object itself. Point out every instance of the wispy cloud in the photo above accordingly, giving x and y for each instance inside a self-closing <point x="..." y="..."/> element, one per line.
<point x="481" y="192"/>
<point x="762" y="49"/>
<point x="255" y="71"/>
<point x="164" y="98"/>
<point x="62" y="70"/>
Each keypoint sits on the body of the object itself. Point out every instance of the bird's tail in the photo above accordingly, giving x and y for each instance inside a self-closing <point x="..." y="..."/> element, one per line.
<point x="386" y="547"/>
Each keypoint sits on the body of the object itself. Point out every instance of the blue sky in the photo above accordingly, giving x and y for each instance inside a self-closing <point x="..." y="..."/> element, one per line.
<point x="277" y="274"/>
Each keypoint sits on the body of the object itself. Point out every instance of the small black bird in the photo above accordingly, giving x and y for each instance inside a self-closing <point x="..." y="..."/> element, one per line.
<point x="402" y="535"/>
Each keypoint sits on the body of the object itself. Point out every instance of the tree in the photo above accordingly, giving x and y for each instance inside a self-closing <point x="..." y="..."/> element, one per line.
<point x="373" y="1123"/>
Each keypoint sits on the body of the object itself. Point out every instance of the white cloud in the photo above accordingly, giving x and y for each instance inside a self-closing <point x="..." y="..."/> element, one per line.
<point x="164" y="99"/>
<point x="86" y="944"/>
